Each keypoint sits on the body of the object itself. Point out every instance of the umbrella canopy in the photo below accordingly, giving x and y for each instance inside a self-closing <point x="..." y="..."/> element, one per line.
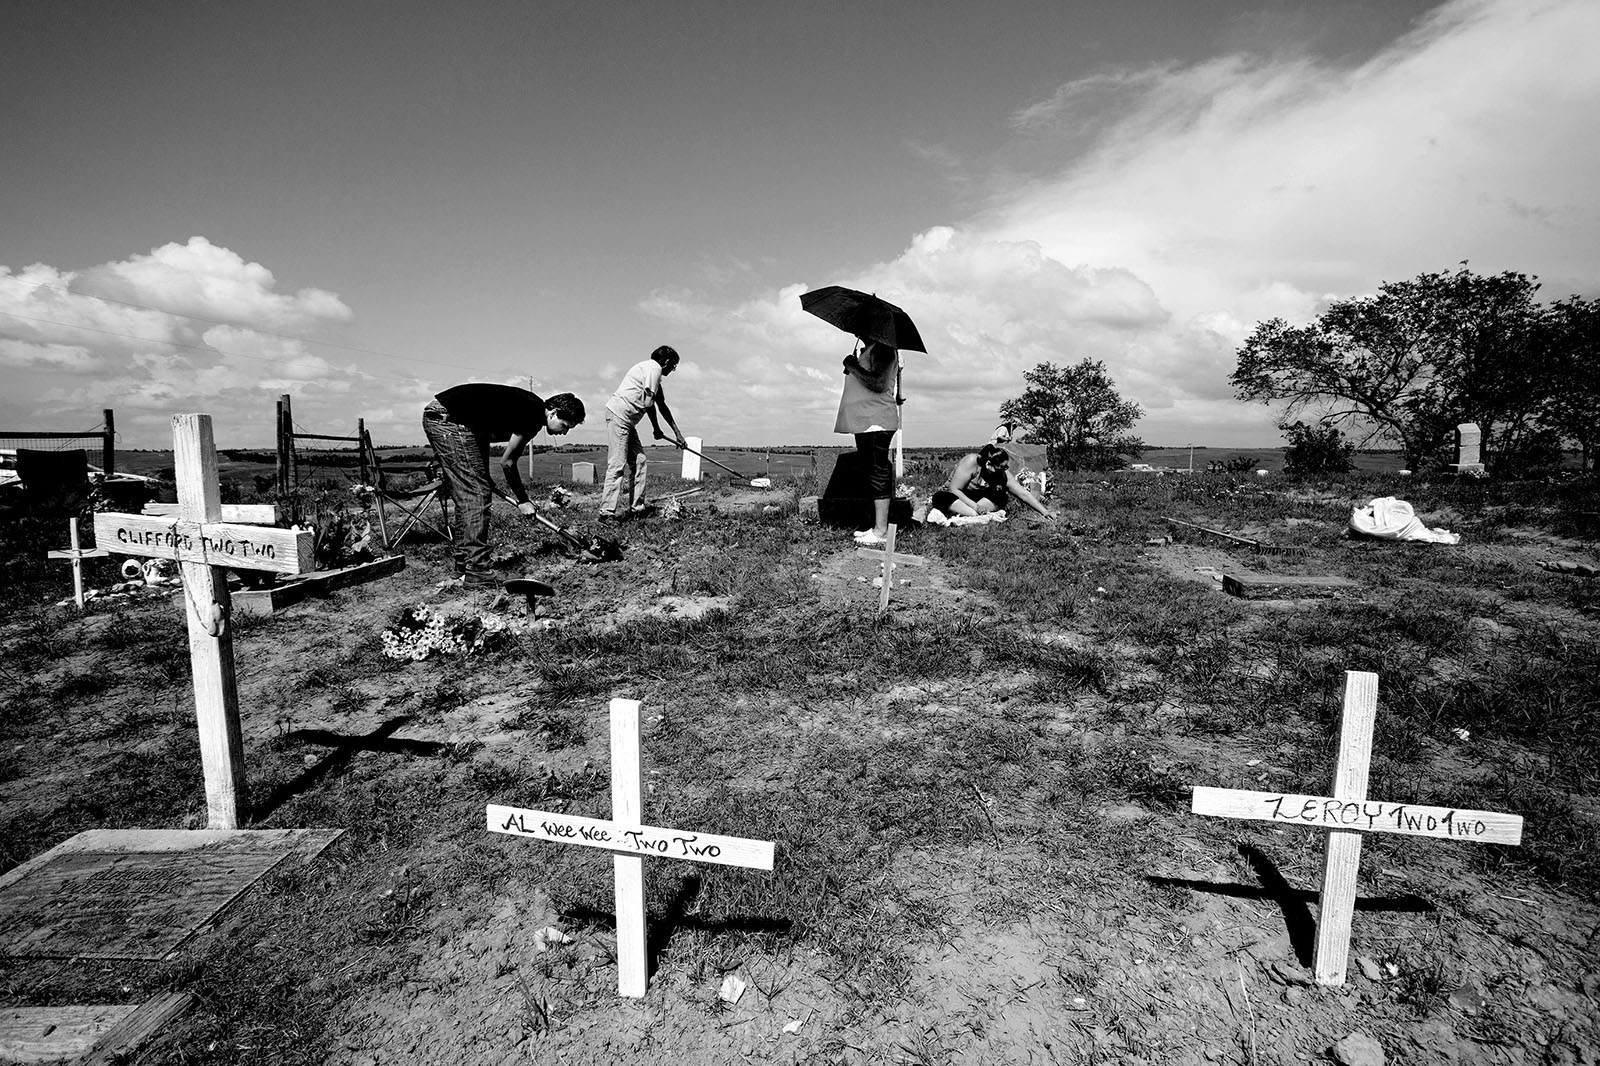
<point x="863" y="315"/>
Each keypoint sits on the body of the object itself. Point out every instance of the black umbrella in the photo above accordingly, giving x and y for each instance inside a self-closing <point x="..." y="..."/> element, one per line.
<point x="863" y="315"/>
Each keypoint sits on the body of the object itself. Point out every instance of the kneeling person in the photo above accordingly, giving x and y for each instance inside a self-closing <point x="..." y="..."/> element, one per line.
<point x="982" y="484"/>
<point x="460" y="424"/>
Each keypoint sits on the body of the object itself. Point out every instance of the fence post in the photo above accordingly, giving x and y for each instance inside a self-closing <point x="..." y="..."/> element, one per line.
<point x="288" y="476"/>
<point x="108" y="450"/>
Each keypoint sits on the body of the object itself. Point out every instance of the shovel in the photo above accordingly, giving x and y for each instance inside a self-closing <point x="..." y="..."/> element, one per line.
<point x="600" y="549"/>
<point x="765" y="483"/>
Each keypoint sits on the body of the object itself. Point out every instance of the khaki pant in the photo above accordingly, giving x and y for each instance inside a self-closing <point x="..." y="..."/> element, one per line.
<point x="624" y="458"/>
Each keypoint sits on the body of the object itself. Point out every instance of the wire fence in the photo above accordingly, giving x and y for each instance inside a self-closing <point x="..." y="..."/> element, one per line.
<point x="99" y="441"/>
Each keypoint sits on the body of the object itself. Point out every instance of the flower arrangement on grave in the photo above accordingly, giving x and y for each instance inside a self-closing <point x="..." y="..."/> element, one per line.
<point x="420" y="630"/>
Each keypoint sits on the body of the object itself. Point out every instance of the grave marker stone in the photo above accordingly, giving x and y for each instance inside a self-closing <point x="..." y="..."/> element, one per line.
<point x="1469" y="445"/>
<point x="633" y="841"/>
<point x="691" y="461"/>
<point x="205" y="548"/>
<point x="1346" y="815"/>
<point x="77" y="554"/>
<point x="583" y="473"/>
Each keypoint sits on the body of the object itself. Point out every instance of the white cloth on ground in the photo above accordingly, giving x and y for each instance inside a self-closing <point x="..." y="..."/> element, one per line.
<point x="977" y="519"/>
<point x="1388" y="518"/>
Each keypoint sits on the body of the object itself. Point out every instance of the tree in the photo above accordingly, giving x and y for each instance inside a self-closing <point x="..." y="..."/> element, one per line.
<point x="1316" y="449"/>
<point x="1077" y="414"/>
<point x="1573" y="409"/>
<point x="1413" y="361"/>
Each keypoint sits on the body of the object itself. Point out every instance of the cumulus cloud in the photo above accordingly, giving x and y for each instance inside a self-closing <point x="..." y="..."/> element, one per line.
<point x="1186" y="203"/>
<point x="200" y="279"/>
<point x="188" y="327"/>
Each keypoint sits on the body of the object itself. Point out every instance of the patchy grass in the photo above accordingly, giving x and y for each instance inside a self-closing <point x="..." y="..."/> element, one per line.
<point x="1007" y="767"/>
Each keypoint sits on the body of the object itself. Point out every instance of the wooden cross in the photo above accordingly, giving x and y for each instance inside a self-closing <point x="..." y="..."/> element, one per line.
<point x="633" y="840"/>
<point x="888" y="571"/>
<point x="890" y="561"/>
<point x="1346" y="815"/>
<point x="77" y="554"/>
<point x="205" y="549"/>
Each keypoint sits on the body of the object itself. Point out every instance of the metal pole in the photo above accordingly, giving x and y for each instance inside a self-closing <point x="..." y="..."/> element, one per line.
<point x="108" y="458"/>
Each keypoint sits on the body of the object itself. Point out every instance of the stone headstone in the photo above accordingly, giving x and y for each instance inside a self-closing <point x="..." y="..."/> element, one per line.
<point x="1469" y="443"/>
<point x="583" y="473"/>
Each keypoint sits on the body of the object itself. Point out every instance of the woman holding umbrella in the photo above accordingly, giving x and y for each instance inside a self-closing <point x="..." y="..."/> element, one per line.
<point x="870" y="410"/>
<point x="870" y="406"/>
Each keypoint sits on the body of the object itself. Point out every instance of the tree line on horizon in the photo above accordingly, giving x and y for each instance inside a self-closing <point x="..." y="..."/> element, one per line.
<point x="1397" y="370"/>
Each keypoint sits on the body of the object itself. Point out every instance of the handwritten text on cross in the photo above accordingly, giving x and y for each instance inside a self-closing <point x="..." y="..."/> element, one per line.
<point x="631" y="839"/>
<point x="1409" y="819"/>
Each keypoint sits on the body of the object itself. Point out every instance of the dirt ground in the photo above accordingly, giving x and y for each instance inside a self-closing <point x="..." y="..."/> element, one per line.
<point x="1030" y="918"/>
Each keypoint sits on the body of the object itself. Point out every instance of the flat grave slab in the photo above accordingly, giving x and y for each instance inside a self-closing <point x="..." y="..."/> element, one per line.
<point x="137" y="893"/>
<point x="1248" y="585"/>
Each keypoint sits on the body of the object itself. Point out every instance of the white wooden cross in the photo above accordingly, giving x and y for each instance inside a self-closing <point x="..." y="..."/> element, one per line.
<point x="77" y="554"/>
<point x="1346" y="815"/>
<point x="205" y="549"/>
<point x="632" y="839"/>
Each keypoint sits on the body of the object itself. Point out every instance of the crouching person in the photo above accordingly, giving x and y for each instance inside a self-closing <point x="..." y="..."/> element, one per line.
<point x="983" y="484"/>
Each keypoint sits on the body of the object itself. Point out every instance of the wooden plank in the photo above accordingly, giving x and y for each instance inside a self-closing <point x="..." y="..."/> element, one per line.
<point x="888" y="571"/>
<point x="136" y="1029"/>
<point x="627" y="801"/>
<point x="50" y="1034"/>
<point x="206" y="605"/>
<point x="1343" y="857"/>
<point x="1252" y="586"/>
<point x="1367" y="816"/>
<point x="900" y="558"/>
<point x="206" y="543"/>
<point x="266" y="601"/>
<point x="647" y="840"/>
<point x="137" y="893"/>
<point x="250" y="514"/>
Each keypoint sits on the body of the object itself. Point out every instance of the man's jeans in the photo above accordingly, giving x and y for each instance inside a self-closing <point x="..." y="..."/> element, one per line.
<point x="464" y="460"/>
<point x="625" y="457"/>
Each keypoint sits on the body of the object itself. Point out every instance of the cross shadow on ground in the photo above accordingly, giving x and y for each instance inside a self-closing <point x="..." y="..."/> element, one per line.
<point x="1293" y="902"/>
<point x="344" y="748"/>
<point x="661" y="929"/>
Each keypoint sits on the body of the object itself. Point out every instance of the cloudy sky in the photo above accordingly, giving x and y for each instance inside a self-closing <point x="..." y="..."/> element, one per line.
<point x="203" y="206"/>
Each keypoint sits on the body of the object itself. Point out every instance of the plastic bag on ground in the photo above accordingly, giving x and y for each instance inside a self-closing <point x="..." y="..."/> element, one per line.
<point x="1388" y="518"/>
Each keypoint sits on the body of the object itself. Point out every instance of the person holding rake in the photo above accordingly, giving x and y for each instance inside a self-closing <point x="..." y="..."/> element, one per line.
<point x="639" y="395"/>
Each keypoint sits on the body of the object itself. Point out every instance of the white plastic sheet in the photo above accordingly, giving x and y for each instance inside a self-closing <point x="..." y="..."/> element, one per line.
<point x="1388" y="518"/>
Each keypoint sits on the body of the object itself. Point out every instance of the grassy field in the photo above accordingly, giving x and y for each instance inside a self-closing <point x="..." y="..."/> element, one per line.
<point x="980" y="801"/>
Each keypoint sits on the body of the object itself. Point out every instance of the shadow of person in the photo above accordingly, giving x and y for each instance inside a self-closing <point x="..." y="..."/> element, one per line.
<point x="1293" y="903"/>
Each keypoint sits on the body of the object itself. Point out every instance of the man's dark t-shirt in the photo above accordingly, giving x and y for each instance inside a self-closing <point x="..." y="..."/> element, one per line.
<point x="501" y="411"/>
